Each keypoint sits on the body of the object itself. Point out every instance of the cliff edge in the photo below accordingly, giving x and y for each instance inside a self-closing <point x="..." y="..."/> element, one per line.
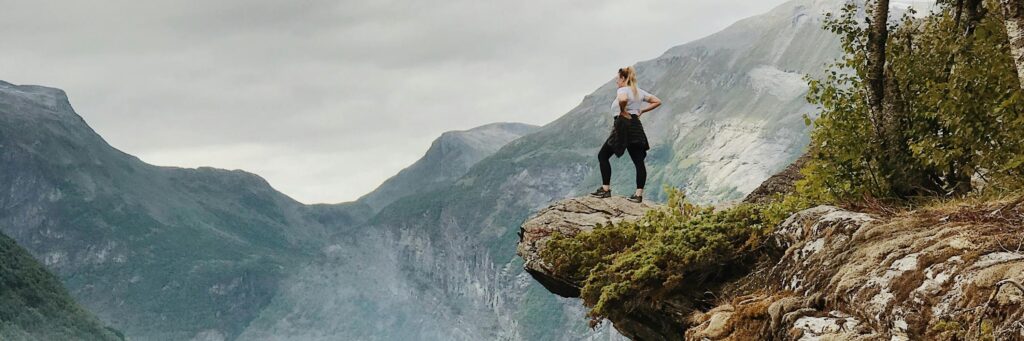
<point x="569" y="217"/>
<point x="948" y="272"/>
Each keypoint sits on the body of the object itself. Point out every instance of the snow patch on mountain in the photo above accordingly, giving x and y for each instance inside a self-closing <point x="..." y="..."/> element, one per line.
<point x="736" y="156"/>
<point x="781" y="84"/>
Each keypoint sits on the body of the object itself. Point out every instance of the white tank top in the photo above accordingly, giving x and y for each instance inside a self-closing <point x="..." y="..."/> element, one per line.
<point x="634" y="104"/>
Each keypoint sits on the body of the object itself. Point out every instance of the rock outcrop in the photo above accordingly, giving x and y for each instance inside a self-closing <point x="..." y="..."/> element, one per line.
<point x="941" y="273"/>
<point x="781" y="183"/>
<point x="569" y="217"/>
<point x="930" y="274"/>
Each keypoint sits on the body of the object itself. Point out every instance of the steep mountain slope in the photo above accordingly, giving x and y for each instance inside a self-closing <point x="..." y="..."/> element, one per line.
<point x="443" y="262"/>
<point x="172" y="253"/>
<point x="448" y="158"/>
<point x="35" y="306"/>
<point x="161" y="253"/>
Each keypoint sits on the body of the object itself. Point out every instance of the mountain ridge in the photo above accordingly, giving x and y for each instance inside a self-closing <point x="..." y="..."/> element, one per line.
<point x="449" y="157"/>
<point x="117" y="229"/>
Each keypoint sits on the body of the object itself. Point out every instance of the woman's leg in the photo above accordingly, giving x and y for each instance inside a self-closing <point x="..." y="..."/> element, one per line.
<point x="638" y="154"/>
<point x="603" y="157"/>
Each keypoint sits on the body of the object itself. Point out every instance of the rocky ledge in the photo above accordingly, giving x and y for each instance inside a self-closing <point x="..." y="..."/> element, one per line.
<point x="569" y="217"/>
<point x="945" y="273"/>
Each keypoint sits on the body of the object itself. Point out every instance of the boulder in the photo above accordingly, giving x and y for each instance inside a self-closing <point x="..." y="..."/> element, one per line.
<point x="569" y="217"/>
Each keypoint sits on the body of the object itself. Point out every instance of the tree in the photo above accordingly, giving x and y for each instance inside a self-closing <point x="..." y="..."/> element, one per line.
<point x="917" y="121"/>
<point x="1014" y="21"/>
<point x="878" y="35"/>
<point x="887" y="115"/>
<point x="975" y="11"/>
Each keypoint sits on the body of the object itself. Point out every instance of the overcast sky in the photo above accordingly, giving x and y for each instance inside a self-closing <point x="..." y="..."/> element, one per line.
<point x="327" y="99"/>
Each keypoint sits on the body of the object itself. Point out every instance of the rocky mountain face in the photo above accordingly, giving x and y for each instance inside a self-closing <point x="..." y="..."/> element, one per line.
<point x="926" y="274"/>
<point x="735" y="101"/>
<point x="163" y="252"/>
<point x="449" y="157"/>
<point x="159" y="252"/>
<point x="35" y="306"/>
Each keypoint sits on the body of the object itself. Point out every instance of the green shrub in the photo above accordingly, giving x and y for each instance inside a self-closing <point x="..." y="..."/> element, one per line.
<point x="669" y="251"/>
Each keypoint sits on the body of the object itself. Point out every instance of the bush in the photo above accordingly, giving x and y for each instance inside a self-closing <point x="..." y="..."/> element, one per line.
<point x="669" y="251"/>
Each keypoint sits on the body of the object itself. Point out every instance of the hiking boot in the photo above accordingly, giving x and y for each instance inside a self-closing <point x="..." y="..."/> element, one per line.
<point x="601" y="193"/>
<point x="636" y="198"/>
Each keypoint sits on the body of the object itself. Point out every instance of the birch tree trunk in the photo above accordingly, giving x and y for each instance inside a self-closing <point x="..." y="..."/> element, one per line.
<point x="878" y="34"/>
<point x="1014" y="10"/>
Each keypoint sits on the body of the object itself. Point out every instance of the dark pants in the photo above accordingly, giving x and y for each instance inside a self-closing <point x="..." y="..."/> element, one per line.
<point x="637" y="153"/>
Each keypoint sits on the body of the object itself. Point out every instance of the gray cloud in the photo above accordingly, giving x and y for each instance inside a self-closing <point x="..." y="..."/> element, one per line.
<point x="326" y="99"/>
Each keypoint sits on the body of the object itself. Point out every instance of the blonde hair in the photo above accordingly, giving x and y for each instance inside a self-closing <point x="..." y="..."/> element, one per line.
<point x="629" y="74"/>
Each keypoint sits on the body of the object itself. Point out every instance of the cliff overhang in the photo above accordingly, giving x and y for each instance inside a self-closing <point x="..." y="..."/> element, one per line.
<point x="569" y="218"/>
<point x="940" y="273"/>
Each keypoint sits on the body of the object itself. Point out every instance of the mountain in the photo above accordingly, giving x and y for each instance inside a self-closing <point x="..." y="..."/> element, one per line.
<point x="158" y="252"/>
<point x="35" y="306"/>
<point x="441" y="265"/>
<point x="449" y="157"/>
<point x="170" y="253"/>
<point x="164" y="252"/>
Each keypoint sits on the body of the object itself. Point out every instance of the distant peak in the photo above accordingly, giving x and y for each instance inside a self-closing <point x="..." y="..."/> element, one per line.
<point x="507" y="126"/>
<point x="10" y="88"/>
<point x="56" y="100"/>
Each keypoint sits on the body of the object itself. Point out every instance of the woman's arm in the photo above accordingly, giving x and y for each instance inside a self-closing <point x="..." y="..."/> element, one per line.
<point x="654" y="101"/>
<point x="623" y="100"/>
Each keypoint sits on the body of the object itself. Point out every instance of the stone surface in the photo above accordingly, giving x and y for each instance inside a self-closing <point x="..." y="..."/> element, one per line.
<point x="569" y="217"/>
<point x="921" y="275"/>
<point x="927" y="274"/>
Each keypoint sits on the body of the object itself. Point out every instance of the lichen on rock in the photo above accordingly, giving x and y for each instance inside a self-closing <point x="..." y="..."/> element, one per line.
<point x="925" y="274"/>
<point x="921" y="275"/>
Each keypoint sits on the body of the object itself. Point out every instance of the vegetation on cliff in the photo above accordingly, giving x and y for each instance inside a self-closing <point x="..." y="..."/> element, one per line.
<point x="668" y="252"/>
<point x="35" y="306"/>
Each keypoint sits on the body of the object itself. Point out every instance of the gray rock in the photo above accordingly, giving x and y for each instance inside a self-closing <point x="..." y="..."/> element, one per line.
<point x="569" y="217"/>
<point x="853" y="276"/>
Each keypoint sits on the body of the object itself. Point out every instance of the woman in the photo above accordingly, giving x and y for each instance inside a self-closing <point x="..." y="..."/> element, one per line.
<point x="627" y="133"/>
